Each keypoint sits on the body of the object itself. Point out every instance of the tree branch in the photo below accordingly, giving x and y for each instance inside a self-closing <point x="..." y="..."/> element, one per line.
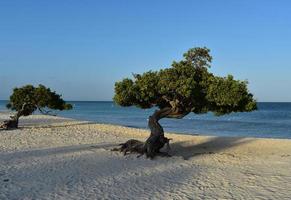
<point x="45" y="112"/>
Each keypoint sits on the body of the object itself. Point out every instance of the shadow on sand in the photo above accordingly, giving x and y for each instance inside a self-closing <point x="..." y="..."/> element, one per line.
<point x="187" y="149"/>
<point x="214" y="145"/>
<point x="34" y="126"/>
<point x="54" y="151"/>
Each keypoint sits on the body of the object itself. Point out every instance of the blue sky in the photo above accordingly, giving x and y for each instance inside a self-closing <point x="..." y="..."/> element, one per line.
<point x="80" y="48"/>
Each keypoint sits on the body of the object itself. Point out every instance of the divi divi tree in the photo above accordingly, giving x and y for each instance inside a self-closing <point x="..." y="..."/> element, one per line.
<point x="187" y="86"/>
<point x="27" y="99"/>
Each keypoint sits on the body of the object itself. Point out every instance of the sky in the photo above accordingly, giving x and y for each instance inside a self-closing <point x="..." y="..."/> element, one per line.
<point x="81" y="48"/>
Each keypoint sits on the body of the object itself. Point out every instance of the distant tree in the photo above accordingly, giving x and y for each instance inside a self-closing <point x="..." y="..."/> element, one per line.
<point x="27" y="99"/>
<point x="187" y="86"/>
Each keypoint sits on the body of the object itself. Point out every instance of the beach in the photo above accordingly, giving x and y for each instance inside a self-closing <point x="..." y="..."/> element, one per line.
<point x="59" y="158"/>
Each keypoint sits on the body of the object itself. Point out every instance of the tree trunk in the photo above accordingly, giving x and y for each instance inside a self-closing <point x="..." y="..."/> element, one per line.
<point x="11" y="123"/>
<point x="154" y="125"/>
<point x="157" y="139"/>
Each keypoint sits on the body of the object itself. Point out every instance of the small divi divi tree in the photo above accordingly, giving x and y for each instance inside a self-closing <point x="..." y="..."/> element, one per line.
<point x="27" y="99"/>
<point x="187" y="86"/>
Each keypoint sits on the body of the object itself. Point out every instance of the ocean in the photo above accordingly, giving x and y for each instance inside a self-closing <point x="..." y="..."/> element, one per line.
<point x="271" y="120"/>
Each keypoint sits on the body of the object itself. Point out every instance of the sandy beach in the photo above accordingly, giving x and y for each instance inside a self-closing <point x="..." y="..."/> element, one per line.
<point x="57" y="158"/>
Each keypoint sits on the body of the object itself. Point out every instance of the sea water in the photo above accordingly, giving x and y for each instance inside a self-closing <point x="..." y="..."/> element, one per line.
<point x="271" y="120"/>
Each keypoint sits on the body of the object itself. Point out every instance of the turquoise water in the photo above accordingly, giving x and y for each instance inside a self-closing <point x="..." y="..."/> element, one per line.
<point x="272" y="120"/>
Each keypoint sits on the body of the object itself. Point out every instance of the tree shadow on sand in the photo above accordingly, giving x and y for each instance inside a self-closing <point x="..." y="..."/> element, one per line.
<point x="53" y="151"/>
<point x="188" y="150"/>
<point x="184" y="149"/>
<point x="35" y="126"/>
<point x="89" y="170"/>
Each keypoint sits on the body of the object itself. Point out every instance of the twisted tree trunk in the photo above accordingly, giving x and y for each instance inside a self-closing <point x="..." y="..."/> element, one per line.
<point x="154" y="125"/>
<point x="157" y="139"/>
<point x="12" y="123"/>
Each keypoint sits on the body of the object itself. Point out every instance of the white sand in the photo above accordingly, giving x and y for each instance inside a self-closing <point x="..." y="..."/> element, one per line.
<point x="65" y="159"/>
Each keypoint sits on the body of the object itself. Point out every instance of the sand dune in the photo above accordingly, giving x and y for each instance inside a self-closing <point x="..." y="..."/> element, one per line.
<point x="57" y="158"/>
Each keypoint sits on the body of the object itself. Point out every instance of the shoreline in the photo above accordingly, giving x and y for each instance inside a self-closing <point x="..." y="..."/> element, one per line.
<point x="59" y="119"/>
<point x="5" y="115"/>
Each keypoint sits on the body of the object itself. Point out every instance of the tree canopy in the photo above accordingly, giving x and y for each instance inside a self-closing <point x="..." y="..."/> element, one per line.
<point x="187" y="86"/>
<point x="28" y="99"/>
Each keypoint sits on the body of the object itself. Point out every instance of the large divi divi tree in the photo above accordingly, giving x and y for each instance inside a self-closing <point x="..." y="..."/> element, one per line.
<point x="187" y="86"/>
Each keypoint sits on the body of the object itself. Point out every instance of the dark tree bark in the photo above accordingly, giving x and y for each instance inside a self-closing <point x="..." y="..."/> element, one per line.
<point x="13" y="122"/>
<point x="157" y="139"/>
<point x="45" y="112"/>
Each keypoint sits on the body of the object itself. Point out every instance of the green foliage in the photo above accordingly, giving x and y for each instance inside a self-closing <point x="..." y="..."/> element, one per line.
<point x="198" y="57"/>
<point x="28" y="99"/>
<point x="188" y="86"/>
<point x="227" y="95"/>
